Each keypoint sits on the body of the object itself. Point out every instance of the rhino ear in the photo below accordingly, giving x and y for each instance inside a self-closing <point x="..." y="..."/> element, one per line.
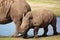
<point x="30" y="17"/>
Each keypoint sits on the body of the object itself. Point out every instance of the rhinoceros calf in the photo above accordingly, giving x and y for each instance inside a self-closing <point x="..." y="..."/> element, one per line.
<point x="38" y="19"/>
<point x="13" y="10"/>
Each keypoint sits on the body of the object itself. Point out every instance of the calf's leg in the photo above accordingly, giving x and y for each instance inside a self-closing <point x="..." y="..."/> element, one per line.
<point x="36" y="32"/>
<point x="24" y="35"/>
<point x="45" y="31"/>
<point x="53" y="23"/>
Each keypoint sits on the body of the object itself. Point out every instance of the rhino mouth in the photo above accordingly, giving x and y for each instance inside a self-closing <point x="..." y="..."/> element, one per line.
<point x="22" y="32"/>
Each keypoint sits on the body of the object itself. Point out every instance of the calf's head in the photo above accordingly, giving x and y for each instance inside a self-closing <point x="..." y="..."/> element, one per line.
<point x="25" y="23"/>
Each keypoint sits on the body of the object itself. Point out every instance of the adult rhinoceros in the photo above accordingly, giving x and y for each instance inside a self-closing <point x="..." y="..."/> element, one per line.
<point x="12" y="10"/>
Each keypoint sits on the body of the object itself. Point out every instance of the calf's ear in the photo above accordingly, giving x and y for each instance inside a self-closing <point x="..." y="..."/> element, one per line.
<point x="30" y="18"/>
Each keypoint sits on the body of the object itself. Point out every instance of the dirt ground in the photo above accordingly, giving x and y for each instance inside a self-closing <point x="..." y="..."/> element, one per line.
<point x="56" y="37"/>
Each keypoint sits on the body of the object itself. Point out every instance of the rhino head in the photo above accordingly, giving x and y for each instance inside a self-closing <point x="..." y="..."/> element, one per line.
<point x="25" y="23"/>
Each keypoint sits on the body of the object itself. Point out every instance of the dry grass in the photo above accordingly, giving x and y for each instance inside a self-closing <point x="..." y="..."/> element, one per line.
<point x="42" y="38"/>
<point x="56" y="37"/>
<point x="54" y="5"/>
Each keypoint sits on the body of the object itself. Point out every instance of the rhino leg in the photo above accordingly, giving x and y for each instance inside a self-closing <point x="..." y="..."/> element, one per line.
<point x="45" y="30"/>
<point x="36" y="32"/>
<point x="53" y="23"/>
<point x="17" y="23"/>
<point x="24" y="35"/>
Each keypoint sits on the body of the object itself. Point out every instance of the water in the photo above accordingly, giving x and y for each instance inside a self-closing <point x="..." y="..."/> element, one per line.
<point x="9" y="29"/>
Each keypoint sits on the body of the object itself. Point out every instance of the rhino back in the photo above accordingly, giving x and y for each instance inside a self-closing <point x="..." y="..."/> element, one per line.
<point x="42" y="16"/>
<point x="18" y="8"/>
